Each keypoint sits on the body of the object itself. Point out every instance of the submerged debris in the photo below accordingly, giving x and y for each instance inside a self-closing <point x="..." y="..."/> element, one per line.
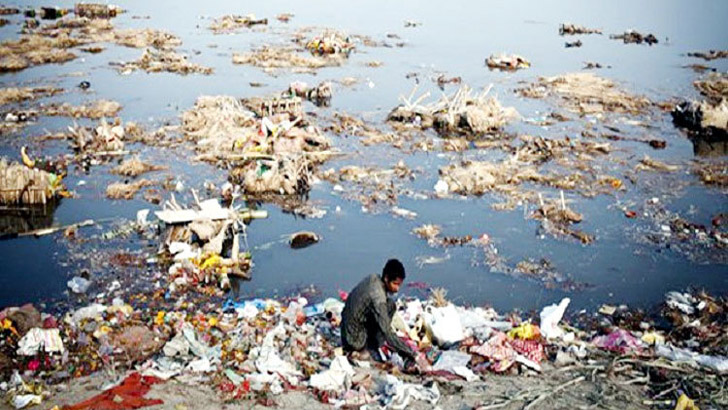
<point x="126" y="190"/>
<point x="15" y="95"/>
<point x="714" y="87"/>
<point x="134" y="167"/>
<point x="97" y="110"/>
<point x="713" y="173"/>
<point x="586" y="93"/>
<point x="573" y="44"/>
<point x="556" y="219"/>
<point x="506" y="62"/>
<point x="649" y="164"/>
<point x="230" y="23"/>
<point x="634" y="37"/>
<point x="32" y="50"/>
<point x="576" y="29"/>
<point x="96" y="11"/>
<point x="270" y="58"/>
<point x="709" y="55"/>
<point x="156" y="61"/>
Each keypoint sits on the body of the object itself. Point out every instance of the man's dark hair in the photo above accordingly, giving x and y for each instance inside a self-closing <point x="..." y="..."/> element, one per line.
<point x="393" y="270"/>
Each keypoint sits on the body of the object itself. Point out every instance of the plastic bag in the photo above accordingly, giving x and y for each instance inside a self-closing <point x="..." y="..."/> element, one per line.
<point x="79" y="284"/>
<point x="550" y="317"/>
<point x="444" y="324"/>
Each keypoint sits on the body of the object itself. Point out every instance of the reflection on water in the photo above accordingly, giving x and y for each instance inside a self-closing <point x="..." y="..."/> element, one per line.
<point x="703" y="147"/>
<point x="25" y="218"/>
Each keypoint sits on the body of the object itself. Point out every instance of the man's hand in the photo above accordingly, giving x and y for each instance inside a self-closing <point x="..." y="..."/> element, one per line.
<point x="422" y="364"/>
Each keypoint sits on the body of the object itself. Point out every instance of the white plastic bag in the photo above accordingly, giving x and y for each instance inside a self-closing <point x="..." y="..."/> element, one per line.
<point x="550" y="317"/>
<point x="444" y="324"/>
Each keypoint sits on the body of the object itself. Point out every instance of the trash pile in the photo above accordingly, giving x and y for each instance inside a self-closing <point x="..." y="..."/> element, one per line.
<point x="97" y="110"/>
<point x="271" y="58"/>
<point x="270" y="145"/>
<point x="377" y="189"/>
<point x="204" y="244"/>
<point x="634" y="37"/>
<point x="505" y="62"/>
<point x="347" y="124"/>
<point x="17" y="95"/>
<point x="319" y="95"/>
<point x="105" y="139"/>
<point x="709" y="55"/>
<point x="557" y="219"/>
<point x="26" y="184"/>
<point x="571" y="29"/>
<point x="707" y="119"/>
<point x="91" y="26"/>
<point x="231" y="23"/>
<point x="586" y="94"/>
<point x="714" y="87"/>
<point x="97" y="11"/>
<point x="157" y="61"/>
<point x="330" y="43"/>
<point x="134" y="167"/>
<point x="462" y="113"/>
<point x="260" y="349"/>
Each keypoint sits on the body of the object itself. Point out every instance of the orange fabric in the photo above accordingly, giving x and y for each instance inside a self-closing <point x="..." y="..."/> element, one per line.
<point x="128" y="395"/>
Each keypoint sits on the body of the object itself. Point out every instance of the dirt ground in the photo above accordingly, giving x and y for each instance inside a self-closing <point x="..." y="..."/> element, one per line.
<point x="557" y="387"/>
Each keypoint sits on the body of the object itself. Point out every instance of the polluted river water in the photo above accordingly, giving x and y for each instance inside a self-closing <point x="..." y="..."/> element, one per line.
<point x="415" y="44"/>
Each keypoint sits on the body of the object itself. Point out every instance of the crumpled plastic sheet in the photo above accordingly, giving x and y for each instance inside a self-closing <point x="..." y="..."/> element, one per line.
<point x="88" y="312"/>
<point x="676" y="354"/>
<point x="619" y="340"/>
<point x="22" y="401"/>
<point x="336" y="378"/>
<point x="269" y="362"/>
<point x="398" y="394"/>
<point x="177" y="346"/>
<point x="455" y="362"/>
<point x="127" y="395"/>
<point x="36" y="339"/>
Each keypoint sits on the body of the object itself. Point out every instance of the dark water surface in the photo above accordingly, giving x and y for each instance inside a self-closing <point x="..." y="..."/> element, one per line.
<point x="454" y="38"/>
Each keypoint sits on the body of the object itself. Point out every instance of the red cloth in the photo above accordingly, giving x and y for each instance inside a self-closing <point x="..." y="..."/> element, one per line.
<point x="128" y="395"/>
<point x="532" y="349"/>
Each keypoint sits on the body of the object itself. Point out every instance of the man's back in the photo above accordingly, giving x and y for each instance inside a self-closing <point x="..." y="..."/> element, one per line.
<point x="358" y="307"/>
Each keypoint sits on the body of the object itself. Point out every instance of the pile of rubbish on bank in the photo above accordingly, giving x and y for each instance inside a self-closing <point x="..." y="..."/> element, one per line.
<point x="463" y="113"/>
<point x="257" y="349"/>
